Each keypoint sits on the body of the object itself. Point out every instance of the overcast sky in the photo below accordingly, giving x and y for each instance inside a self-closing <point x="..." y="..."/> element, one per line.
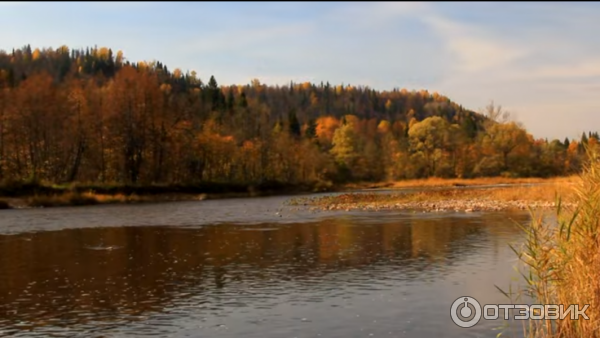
<point x="541" y="61"/>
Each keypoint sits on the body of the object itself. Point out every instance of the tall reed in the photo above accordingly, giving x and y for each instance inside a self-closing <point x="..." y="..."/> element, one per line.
<point x="562" y="259"/>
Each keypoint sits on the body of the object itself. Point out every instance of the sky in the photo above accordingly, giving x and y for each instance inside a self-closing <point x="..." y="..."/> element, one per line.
<point x="539" y="61"/>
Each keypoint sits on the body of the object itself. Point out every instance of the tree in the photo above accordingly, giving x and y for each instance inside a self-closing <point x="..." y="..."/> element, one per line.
<point x="429" y="137"/>
<point x="469" y="127"/>
<point x="495" y="113"/>
<point x="294" y="125"/>
<point x="344" y="150"/>
<point x="325" y="129"/>
<point x="78" y="106"/>
<point x="77" y="115"/>
<point x="584" y="138"/>
<point x="311" y="129"/>
<point x="230" y="100"/>
<point x="504" y="138"/>
<point x="215" y="95"/>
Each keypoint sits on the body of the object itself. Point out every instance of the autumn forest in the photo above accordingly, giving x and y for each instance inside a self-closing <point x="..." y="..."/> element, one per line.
<point x="92" y="117"/>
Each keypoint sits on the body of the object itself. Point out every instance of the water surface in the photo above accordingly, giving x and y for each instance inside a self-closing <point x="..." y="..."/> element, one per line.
<point x="247" y="268"/>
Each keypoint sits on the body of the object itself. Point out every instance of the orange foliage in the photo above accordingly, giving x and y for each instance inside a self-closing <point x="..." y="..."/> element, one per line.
<point x="326" y="126"/>
<point x="75" y="116"/>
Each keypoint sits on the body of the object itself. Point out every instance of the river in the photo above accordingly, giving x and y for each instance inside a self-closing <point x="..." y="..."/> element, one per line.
<point x="248" y="268"/>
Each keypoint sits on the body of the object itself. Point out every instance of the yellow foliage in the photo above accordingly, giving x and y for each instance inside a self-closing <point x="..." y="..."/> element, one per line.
<point x="388" y="105"/>
<point x="103" y="53"/>
<point x="255" y="83"/>
<point x="177" y="73"/>
<point x="314" y="100"/>
<point x="352" y="120"/>
<point x="36" y="54"/>
<point x="412" y="122"/>
<point x="119" y="58"/>
<point x="384" y="127"/>
<point x="165" y="87"/>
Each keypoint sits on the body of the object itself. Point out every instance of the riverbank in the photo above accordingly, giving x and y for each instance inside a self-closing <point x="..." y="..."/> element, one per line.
<point x="34" y="195"/>
<point x="435" y="182"/>
<point x="451" y="198"/>
<point x="31" y="195"/>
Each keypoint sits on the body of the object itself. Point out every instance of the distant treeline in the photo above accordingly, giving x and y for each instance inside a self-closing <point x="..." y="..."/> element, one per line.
<point x="90" y="116"/>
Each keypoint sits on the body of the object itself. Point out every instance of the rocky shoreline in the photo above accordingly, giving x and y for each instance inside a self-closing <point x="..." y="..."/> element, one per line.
<point x="470" y="205"/>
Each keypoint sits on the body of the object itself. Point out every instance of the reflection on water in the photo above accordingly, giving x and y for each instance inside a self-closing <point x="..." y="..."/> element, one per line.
<point x="375" y="274"/>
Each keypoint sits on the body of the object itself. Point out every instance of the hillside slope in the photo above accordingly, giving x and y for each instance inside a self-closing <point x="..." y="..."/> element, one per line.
<point x="92" y="116"/>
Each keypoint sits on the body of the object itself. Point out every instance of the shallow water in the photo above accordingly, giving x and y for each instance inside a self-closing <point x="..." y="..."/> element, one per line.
<point x="248" y="268"/>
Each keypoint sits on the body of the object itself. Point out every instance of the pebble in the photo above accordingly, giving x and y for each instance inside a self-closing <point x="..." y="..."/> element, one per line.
<point x="467" y="206"/>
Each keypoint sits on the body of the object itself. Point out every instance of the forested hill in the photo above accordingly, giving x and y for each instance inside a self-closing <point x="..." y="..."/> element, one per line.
<point x="91" y="116"/>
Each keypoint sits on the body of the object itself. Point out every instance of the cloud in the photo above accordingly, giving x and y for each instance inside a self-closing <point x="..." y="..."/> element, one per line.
<point x="548" y="81"/>
<point x="475" y="51"/>
<point x="13" y="3"/>
<point x="583" y="69"/>
<point x="393" y="10"/>
<point x="375" y="14"/>
<point x="240" y="39"/>
<point x="468" y="49"/>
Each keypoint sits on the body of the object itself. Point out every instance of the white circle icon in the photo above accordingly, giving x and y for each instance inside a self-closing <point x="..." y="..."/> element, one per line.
<point x="462" y="309"/>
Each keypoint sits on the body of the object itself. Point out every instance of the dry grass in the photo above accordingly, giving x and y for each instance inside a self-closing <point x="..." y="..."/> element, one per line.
<point x="440" y="182"/>
<point x="450" y="182"/>
<point x="90" y="198"/>
<point x="542" y="193"/>
<point x="562" y="261"/>
<point x="78" y="199"/>
<point x="531" y="193"/>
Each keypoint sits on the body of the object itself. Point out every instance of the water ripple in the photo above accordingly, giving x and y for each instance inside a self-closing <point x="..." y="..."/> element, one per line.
<point x="393" y="275"/>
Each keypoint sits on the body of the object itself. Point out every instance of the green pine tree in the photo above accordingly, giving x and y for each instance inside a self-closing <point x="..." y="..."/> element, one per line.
<point x="294" y="124"/>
